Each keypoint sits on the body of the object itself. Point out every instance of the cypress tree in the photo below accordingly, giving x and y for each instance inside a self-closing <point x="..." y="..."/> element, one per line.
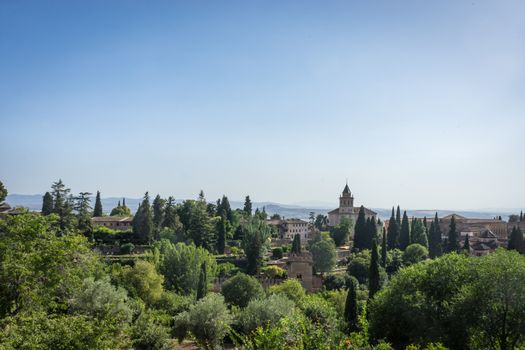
<point x="360" y="231"/>
<point x="97" y="211"/>
<point x="466" y="245"/>
<point x="373" y="278"/>
<point x="143" y="221"/>
<point x="393" y="232"/>
<point x="435" y="245"/>
<point x="221" y="234"/>
<point x="383" y="250"/>
<point x="398" y="216"/>
<point x="404" y="235"/>
<point x="516" y="240"/>
<point x="202" y="286"/>
<point x="171" y="219"/>
<point x="371" y="232"/>
<point x="419" y="234"/>
<point x="47" y="204"/>
<point x="452" y="244"/>
<point x="201" y="197"/>
<point x="296" y="244"/>
<point x="158" y="213"/>
<point x="521" y="215"/>
<point x="351" y="311"/>
<point x="224" y="208"/>
<point x="123" y="202"/>
<point x="247" y="206"/>
<point x="62" y="203"/>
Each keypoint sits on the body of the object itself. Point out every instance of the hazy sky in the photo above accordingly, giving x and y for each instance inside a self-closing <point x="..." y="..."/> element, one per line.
<point x="420" y="103"/>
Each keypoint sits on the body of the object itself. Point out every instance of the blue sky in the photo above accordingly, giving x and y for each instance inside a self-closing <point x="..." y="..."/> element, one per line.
<point x="419" y="103"/>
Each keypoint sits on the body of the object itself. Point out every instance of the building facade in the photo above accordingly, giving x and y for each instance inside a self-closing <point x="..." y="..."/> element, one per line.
<point x="288" y="228"/>
<point x="113" y="222"/>
<point x="347" y="210"/>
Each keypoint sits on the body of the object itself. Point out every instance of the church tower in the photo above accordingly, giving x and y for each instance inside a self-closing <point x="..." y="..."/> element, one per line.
<point x="346" y="201"/>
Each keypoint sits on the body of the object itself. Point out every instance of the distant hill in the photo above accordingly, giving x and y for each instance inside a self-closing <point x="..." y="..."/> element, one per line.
<point x="34" y="202"/>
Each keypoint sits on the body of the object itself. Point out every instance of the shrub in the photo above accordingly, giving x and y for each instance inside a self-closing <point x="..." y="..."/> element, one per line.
<point x="277" y="253"/>
<point x="127" y="248"/>
<point x="142" y="281"/>
<point x="291" y="288"/>
<point x="262" y="312"/>
<point x="151" y="331"/>
<point x="274" y="272"/>
<point x="334" y="282"/>
<point x="226" y="269"/>
<point x="240" y="289"/>
<point x="208" y="320"/>
<point x="414" y="254"/>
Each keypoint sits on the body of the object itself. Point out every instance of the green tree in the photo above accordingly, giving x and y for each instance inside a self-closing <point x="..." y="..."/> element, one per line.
<point x="324" y="255"/>
<point x="254" y="244"/>
<point x="141" y="281"/>
<point x="404" y="234"/>
<point x="393" y="232"/>
<point x="121" y="209"/>
<point x="47" y="204"/>
<point x="383" y="249"/>
<point x="434" y="239"/>
<point x="97" y="211"/>
<point x="466" y="244"/>
<point x="158" y="213"/>
<point x="291" y="288"/>
<point x="296" y="244"/>
<point x="143" y="222"/>
<point x="360" y="230"/>
<point x="398" y="216"/>
<point x="181" y="265"/>
<point x="340" y="233"/>
<point x="202" y="287"/>
<point x="371" y="234"/>
<point x="373" y="279"/>
<point x="82" y="206"/>
<point x="222" y="231"/>
<point x="200" y="228"/>
<point x="516" y="240"/>
<point x="62" y="204"/>
<point x="151" y="331"/>
<point x="3" y="192"/>
<point x="224" y="208"/>
<point x="419" y="233"/>
<point x="321" y="221"/>
<point x="453" y="236"/>
<point x="240" y="289"/>
<point x="208" y="320"/>
<point x="414" y="254"/>
<point x="265" y="312"/>
<point x="171" y="219"/>
<point x="247" y="206"/>
<point x="351" y="312"/>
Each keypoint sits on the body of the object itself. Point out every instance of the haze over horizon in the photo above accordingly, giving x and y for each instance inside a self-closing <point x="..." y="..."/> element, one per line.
<point x="417" y="104"/>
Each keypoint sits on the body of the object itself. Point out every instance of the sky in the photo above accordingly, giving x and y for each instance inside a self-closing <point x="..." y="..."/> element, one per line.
<point x="417" y="103"/>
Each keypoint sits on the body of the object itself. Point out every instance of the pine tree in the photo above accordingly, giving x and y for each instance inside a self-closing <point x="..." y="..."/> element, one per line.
<point x="452" y="244"/>
<point x="224" y="208"/>
<point x="158" y="213"/>
<point x="62" y="203"/>
<point x="200" y="227"/>
<point x="247" y="206"/>
<point x="360" y="230"/>
<point x="171" y="219"/>
<point x="296" y="244"/>
<point x="97" y="211"/>
<point x="83" y="207"/>
<point x="351" y="311"/>
<point x="47" y="204"/>
<point x="435" y="245"/>
<point x="516" y="241"/>
<point x="398" y="216"/>
<point x="383" y="249"/>
<point x="466" y="245"/>
<point x="201" y="197"/>
<point x="202" y="287"/>
<point x="393" y="232"/>
<point x="3" y="192"/>
<point x="373" y="278"/>
<point x="404" y="235"/>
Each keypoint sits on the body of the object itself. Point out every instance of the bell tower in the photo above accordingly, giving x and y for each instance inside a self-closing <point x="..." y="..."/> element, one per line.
<point x="346" y="201"/>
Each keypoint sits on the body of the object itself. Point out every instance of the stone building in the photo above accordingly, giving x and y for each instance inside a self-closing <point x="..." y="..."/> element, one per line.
<point x="475" y="227"/>
<point x="347" y="209"/>
<point x="288" y="228"/>
<point x="113" y="222"/>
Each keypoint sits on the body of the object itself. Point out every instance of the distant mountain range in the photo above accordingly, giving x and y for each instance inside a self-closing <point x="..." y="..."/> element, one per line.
<point x="34" y="202"/>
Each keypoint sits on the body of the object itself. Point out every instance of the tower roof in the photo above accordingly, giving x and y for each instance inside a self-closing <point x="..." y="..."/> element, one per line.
<point x="346" y="189"/>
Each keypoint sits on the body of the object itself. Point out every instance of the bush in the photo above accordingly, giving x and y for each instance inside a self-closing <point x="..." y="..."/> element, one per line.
<point x="208" y="320"/>
<point x="291" y="288"/>
<point x="174" y="303"/>
<point x="240" y="289"/>
<point x="334" y="282"/>
<point x="142" y="281"/>
<point x="151" y="331"/>
<point x="414" y="254"/>
<point x="127" y="248"/>
<point x="320" y="313"/>
<point x="274" y="272"/>
<point x="226" y="269"/>
<point x="277" y="253"/>
<point x="263" y="312"/>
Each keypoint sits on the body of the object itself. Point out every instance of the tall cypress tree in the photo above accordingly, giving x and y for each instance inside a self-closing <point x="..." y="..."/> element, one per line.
<point x="516" y="240"/>
<point x="393" y="232"/>
<point x="373" y="278"/>
<point x="466" y="245"/>
<point x="435" y="245"/>
<point x="371" y="232"/>
<point x="521" y="215"/>
<point x="97" y="211"/>
<point x="158" y="213"/>
<point x="404" y="235"/>
<point x="351" y="312"/>
<point x="47" y="204"/>
<point x="202" y="286"/>
<point x="383" y="249"/>
<point x="398" y="216"/>
<point x="221" y="234"/>
<point x="452" y="242"/>
<point x="419" y="234"/>
<point x="360" y="230"/>
<point x="143" y="221"/>
<point x="247" y="206"/>
<point x="171" y="219"/>
<point x="296" y="244"/>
